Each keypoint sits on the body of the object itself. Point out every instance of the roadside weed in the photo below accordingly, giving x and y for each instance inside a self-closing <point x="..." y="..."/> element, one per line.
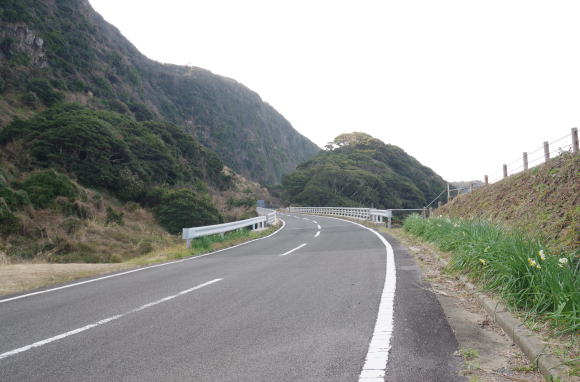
<point x="468" y="354"/>
<point x="522" y="271"/>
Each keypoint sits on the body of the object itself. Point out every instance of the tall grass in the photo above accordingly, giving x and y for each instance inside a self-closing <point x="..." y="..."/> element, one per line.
<point x="207" y="243"/>
<point x="522" y="271"/>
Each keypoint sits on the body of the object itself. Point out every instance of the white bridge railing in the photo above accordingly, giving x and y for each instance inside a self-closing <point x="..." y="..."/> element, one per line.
<point x="374" y="215"/>
<point x="268" y="217"/>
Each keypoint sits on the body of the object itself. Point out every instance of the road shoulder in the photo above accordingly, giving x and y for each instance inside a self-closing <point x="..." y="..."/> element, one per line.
<point x="423" y="347"/>
<point x="488" y="353"/>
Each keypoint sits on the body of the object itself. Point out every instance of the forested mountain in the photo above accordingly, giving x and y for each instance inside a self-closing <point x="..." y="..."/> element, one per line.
<point x="359" y="170"/>
<point x="61" y="50"/>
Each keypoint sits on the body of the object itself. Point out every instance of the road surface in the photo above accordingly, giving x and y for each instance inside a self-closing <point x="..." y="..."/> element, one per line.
<point x="300" y="305"/>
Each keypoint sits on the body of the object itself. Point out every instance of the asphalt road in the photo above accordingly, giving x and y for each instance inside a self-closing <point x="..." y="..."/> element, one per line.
<point x="300" y="305"/>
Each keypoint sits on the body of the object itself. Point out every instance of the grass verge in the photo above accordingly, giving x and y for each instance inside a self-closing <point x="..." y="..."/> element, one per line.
<point x="15" y="278"/>
<point x="522" y="271"/>
<point x="202" y="245"/>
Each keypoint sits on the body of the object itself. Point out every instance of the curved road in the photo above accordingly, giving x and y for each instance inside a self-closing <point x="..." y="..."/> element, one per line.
<point x="300" y="305"/>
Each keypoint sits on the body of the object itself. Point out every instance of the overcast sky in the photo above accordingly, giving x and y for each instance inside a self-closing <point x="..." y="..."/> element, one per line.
<point x="462" y="85"/>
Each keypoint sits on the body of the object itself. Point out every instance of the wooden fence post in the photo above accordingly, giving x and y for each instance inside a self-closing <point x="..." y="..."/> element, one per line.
<point x="505" y="170"/>
<point x="546" y="151"/>
<point x="486" y="179"/>
<point x="575" y="140"/>
<point x="525" y="161"/>
<point x="448" y="193"/>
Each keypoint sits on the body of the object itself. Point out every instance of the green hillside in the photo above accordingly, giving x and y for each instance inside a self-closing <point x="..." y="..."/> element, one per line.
<point x="71" y="169"/>
<point x="61" y="50"/>
<point x="359" y="170"/>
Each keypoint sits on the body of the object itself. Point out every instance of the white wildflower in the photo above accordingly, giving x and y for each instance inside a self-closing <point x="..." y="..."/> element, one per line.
<point x="542" y="255"/>
<point x="562" y="261"/>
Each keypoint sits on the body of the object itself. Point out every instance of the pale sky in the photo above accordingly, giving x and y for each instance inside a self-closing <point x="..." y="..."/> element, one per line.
<point x="464" y="86"/>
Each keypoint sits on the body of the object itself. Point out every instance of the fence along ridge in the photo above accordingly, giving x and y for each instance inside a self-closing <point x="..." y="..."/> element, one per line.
<point x="545" y="154"/>
<point x="526" y="164"/>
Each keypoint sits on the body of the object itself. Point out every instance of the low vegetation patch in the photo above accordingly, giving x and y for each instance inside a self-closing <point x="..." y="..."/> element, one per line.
<point x="524" y="272"/>
<point x="16" y="278"/>
<point x="203" y="245"/>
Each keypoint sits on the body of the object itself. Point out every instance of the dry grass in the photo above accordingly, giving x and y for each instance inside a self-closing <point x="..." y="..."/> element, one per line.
<point x="543" y="202"/>
<point x="49" y="235"/>
<point x="242" y="188"/>
<point x="21" y="277"/>
<point x="16" y="278"/>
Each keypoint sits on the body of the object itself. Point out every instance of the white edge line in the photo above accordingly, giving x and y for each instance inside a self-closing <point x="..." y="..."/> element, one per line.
<point x="102" y="322"/>
<point x="375" y="365"/>
<point x="292" y="250"/>
<point x="140" y="269"/>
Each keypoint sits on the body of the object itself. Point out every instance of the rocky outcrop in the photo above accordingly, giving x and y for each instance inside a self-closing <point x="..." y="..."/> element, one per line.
<point x="18" y="39"/>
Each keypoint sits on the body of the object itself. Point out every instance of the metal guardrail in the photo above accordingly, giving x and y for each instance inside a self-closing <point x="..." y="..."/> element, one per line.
<point x="371" y="214"/>
<point x="269" y="218"/>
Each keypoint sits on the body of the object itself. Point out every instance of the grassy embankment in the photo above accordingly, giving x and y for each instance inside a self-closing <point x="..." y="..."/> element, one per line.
<point x="520" y="239"/>
<point x="524" y="272"/>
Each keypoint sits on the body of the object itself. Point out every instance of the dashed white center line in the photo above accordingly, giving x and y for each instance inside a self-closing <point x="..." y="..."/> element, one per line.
<point x="102" y="322"/>
<point x="292" y="250"/>
<point x="319" y="227"/>
<point x="317" y="233"/>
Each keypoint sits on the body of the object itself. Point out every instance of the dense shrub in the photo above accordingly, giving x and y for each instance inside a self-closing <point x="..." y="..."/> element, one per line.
<point x="359" y="170"/>
<point x="114" y="217"/>
<point x="44" y="187"/>
<point x="45" y="92"/>
<point x="183" y="208"/>
<point x="9" y="223"/>
<point x="14" y="199"/>
<point x="113" y="152"/>
<point x="243" y="202"/>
